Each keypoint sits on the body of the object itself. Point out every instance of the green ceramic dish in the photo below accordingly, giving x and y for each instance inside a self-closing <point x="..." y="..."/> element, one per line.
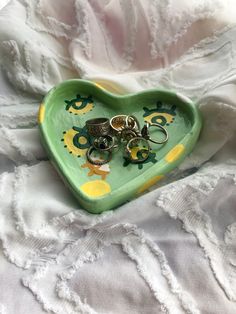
<point x="62" y="117"/>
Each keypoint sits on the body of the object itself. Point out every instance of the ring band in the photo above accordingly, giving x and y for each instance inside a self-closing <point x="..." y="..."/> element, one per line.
<point x="134" y="123"/>
<point x="128" y="134"/>
<point x="118" y="123"/>
<point x="97" y="162"/>
<point x="129" y="152"/>
<point x="98" y="127"/>
<point x="146" y="135"/>
<point x="101" y="143"/>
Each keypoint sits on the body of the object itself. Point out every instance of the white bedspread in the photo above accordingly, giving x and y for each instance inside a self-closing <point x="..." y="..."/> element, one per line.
<point x="172" y="250"/>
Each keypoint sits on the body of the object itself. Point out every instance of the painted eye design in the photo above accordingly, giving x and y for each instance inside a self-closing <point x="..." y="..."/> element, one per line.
<point x="160" y="114"/>
<point x="79" y="105"/>
<point x="76" y="141"/>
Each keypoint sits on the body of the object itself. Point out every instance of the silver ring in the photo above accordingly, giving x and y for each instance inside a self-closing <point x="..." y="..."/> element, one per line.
<point x="97" y="162"/>
<point x="134" y="125"/>
<point x="146" y="135"/>
<point x="128" y="134"/>
<point x="104" y="143"/>
<point x="98" y="127"/>
<point x="133" y="143"/>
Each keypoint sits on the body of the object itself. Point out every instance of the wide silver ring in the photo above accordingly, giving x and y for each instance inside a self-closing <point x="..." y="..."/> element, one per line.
<point x="145" y="133"/>
<point x="98" y="127"/>
<point x="97" y="162"/>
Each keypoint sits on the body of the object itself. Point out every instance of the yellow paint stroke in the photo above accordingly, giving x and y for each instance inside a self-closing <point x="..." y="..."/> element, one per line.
<point x="96" y="188"/>
<point x="83" y="140"/>
<point x="69" y="145"/>
<point x="41" y="113"/>
<point x="134" y="151"/>
<point x="110" y="87"/>
<point x="99" y="86"/>
<point x="169" y="117"/>
<point x="102" y="170"/>
<point x="149" y="183"/>
<point x="175" y="153"/>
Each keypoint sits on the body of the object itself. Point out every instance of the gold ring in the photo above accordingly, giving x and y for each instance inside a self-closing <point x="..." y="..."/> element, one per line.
<point x="117" y="123"/>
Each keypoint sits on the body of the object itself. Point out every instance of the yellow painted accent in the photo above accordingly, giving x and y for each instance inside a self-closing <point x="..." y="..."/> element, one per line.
<point x="68" y="141"/>
<point x="110" y="87"/>
<point x="149" y="183"/>
<point x="102" y="170"/>
<point x="41" y="113"/>
<point x="96" y="188"/>
<point x="134" y="151"/>
<point x="83" y="140"/>
<point x="81" y="111"/>
<point x="100" y="86"/>
<point x="175" y="153"/>
<point x="168" y="117"/>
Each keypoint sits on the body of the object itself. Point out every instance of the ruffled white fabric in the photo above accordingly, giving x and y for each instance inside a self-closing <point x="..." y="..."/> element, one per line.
<point x="173" y="250"/>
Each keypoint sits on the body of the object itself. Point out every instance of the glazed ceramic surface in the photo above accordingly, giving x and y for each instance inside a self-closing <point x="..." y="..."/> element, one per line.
<point x="62" y="117"/>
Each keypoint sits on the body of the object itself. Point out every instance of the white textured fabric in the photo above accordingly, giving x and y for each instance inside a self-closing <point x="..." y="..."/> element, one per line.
<point x="173" y="250"/>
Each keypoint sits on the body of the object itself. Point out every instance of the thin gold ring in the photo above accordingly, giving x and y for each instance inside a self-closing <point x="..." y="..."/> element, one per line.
<point x="117" y="123"/>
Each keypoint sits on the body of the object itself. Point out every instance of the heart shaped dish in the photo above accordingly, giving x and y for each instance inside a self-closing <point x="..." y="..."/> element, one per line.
<point x="62" y="117"/>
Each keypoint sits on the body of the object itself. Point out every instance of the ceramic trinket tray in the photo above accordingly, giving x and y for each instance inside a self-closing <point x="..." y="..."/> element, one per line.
<point x="62" y="118"/>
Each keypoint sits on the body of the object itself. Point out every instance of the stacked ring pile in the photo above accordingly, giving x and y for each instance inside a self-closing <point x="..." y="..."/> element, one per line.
<point x="107" y="135"/>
